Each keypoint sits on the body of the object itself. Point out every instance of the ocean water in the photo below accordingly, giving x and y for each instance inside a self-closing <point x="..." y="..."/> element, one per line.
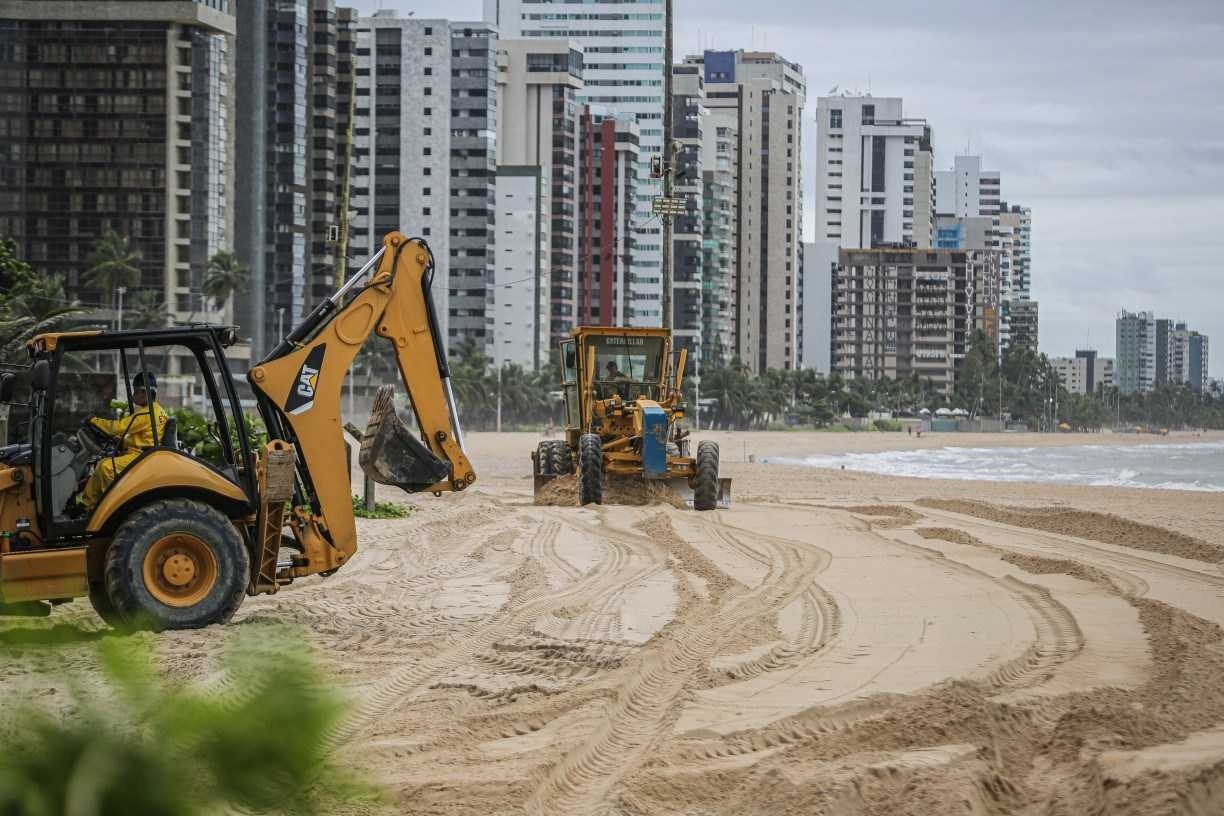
<point x="1184" y="466"/>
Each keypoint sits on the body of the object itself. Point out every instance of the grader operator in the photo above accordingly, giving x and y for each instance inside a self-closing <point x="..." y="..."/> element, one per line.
<point x="173" y="539"/>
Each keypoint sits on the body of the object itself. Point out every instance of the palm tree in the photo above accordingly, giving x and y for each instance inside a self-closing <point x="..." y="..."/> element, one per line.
<point x="148" y="311"/>
<point x="39" y="308"/>
<point x="225" y="275"/>
<point x="114" y="264"/>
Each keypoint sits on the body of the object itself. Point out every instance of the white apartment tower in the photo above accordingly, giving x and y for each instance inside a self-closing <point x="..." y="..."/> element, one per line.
<point x="873" y="173"/>
<point x="967" y="190"/>
<point x="424" y="154"/>
<point x="622" y="44"/>
<point x="537" y="126"/>
<point x="754" y="102"/>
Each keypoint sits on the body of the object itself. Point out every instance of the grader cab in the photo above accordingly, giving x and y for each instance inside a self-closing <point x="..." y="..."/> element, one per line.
<point x="624" y="412"/>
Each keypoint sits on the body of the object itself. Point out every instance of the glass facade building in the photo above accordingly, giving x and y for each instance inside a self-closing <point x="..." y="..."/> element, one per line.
<point x="117" y="122"/>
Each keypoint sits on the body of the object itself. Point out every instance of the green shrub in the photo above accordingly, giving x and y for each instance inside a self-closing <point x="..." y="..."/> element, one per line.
<point x="197" y="435"/>
<point x="142" y="744"/>
<point x="890" y="425"/>
<point x="382" y="510"/>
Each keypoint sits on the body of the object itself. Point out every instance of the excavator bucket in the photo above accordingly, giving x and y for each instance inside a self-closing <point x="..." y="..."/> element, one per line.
<point x="392" y="455"/>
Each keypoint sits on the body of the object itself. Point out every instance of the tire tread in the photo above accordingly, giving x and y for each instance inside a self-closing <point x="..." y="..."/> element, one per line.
<point x="705" y="482"/>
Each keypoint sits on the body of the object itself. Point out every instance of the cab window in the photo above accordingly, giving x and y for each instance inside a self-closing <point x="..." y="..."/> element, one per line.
<point x="627" y="357"/>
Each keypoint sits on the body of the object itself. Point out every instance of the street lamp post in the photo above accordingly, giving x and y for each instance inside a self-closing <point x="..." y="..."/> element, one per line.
<point x="119" y="386"/>
<point x="499" y="394"/>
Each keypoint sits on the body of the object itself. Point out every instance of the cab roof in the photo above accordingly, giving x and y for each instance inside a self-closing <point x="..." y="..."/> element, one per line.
<point x="96" y="339"/>
<point x="633" y="331"/>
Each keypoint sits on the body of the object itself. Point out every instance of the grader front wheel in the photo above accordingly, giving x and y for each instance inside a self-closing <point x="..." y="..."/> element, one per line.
<point x="705" y="483"/>
<point x="590" y="469"/>
<point x="176" y="564"/>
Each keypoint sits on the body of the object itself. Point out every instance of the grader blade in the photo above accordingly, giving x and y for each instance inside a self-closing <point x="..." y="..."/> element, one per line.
<point x="392" y="455"/>
<point x="682" y="489"/>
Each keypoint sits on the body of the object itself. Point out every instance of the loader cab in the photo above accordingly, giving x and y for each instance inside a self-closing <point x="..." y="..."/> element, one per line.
<point x="76" y="376"/>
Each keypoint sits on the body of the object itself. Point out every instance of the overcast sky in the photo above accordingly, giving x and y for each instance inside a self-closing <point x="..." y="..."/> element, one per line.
<point x="1107" y="118"/>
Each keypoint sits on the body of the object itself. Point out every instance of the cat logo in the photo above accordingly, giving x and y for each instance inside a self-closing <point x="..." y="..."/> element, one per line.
<point x="301" y="397"/>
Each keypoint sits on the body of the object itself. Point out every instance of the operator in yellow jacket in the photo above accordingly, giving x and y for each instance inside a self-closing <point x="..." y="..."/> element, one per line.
<point x="133" y="435"/>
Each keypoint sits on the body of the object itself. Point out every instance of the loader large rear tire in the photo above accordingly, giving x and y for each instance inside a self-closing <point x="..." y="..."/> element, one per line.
<point x="562" y="459"/>
<point x="590" y="469"/>
<point x="176" y="564"/>
<point x="705" y="483"/>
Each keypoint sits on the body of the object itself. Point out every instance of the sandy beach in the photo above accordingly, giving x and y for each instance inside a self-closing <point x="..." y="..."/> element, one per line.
<point x="834" y="643"/>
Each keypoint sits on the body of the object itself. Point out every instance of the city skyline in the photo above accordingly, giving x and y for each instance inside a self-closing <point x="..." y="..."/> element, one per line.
<point x="1082" y="124"/>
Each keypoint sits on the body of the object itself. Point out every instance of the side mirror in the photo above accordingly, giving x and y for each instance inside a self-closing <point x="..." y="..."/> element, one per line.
<point x="40" y="376"/>
<point x="8" y="384"/>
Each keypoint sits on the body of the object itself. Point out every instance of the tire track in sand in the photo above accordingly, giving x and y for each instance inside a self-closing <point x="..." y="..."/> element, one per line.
<point x="580" y="783"/>
<point x="514" y="618"/>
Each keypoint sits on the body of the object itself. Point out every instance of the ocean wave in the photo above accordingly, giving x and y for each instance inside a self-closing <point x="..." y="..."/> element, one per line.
<point x="1195" y="466"/>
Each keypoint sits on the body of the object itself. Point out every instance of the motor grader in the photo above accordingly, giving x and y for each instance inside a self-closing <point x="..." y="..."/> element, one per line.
<point x="624" y="416"/>
<point x="178" y="539"/>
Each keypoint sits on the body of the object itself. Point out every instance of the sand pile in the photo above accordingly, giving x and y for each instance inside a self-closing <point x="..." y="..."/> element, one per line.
<point x="623" y="490"/>
<point x="1102" y="527"/>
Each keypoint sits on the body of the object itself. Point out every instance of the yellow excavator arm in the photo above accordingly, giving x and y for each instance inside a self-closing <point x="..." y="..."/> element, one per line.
<point x="298" y="386"/>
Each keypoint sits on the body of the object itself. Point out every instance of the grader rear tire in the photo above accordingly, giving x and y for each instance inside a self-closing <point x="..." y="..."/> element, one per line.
<point x="705" y="483"/>
<point x="562" y="459"/>
<point x="176" y="564"/>
<point x="544" y="458"/>
<point x="590" y="469"/>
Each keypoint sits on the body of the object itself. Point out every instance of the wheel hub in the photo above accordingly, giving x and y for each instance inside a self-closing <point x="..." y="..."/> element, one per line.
<point x="180" y="570"/>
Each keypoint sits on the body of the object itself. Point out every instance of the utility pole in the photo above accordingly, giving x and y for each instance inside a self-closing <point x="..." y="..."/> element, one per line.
<point x="668" y="157"/>
<point x="499" y="395"/>
<point x="120" y="389"/>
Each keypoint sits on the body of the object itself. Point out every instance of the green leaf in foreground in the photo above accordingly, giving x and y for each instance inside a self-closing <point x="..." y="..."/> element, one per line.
<point x="140" y="744"/>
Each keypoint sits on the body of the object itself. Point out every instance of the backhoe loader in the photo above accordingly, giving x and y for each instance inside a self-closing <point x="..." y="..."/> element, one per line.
<point x="179" y="537"/>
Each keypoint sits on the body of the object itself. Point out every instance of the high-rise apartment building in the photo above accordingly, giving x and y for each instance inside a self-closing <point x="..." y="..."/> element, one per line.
<point x="473" y="168"/>
<point x="323" y="170"/>
<point x="1186" y="357"/>
<point x="1136" y="353"/>
<point x="517" y="315"/>
<point x="287" y="192"/>
<point x="873" y="173"/>
<point x="1085" y="373"/>
<point x="118" y="116"/>
<point x="688" y="252"/>
<point x="622" y="44"/>
<point x="287" y="182"/>
<point x="820" y="260"/>
<point x="757" y="98"/>
<point x="1023" y="323"/>
<point x="1196" y="364"/>
<point x="904" y="312"/>
<point x="537" y="125"/>
<point x="607" y="188"/>
<point x="1018" y="221"/>
<point x="967" y="190"/>
<point x="424" y="154"/>
<point x="719" y="230"/>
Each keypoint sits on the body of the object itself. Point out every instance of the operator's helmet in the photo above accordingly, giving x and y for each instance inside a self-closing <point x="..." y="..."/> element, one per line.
<point x="146" y="380"/>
